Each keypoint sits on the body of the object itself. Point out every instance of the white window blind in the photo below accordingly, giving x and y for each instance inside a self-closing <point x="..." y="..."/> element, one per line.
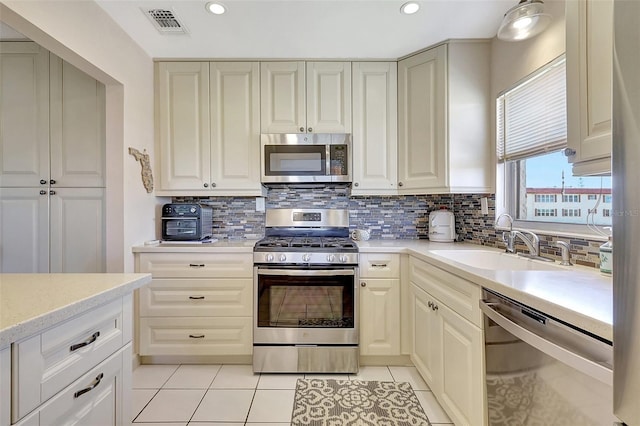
<point x="532" y="117"/>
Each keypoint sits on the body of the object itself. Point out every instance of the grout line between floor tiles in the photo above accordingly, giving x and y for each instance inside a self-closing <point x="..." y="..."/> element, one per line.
<point x="145" y="406"/>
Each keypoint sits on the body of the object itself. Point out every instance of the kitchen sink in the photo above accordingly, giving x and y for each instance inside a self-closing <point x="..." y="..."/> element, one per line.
<point x="494" y="260"/>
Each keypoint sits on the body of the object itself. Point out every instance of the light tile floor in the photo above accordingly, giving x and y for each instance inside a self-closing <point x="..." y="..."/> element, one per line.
<point x="225" y="395"/>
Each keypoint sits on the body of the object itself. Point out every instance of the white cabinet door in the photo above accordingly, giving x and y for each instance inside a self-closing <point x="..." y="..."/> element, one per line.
<point x="426" y="338"/>
<point x="329" y="97"/>
<point x="375" y="128"/>
<point x="235" y="125"/>
<point x="282" y="97"/>
<point x="24" y="114"/>
<point x="183" y="125"/>
<point x="77" y="127"/>
<point x="589" y="63"/>
<point x="77" y="230"/>
<point x="461" y="374"/>
<point x="380" y="317"/>
<point x="24" y="230"/>
<point x="422" y="138"/>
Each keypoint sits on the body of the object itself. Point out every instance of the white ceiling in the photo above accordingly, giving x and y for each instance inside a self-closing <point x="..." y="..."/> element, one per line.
<point x="368" y="29"/>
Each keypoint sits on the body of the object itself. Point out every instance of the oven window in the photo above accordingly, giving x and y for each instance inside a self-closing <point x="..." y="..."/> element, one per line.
<point x="295" y="160"/>
<point x="297" y="302"/>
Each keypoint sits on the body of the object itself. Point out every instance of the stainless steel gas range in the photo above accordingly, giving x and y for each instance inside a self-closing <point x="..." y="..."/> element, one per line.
<point x="306" y="293"/>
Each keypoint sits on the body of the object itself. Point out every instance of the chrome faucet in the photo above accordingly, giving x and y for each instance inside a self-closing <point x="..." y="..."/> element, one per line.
<point x="566" y="255"/>
<point x="532" y="241"/>
<point x="508" y="238"/>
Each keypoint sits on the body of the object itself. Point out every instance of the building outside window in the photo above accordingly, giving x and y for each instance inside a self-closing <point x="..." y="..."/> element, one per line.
<point x="534" y="178"/>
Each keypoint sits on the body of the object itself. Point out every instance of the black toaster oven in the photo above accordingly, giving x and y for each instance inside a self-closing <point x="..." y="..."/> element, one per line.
<point x="186" y="222"/>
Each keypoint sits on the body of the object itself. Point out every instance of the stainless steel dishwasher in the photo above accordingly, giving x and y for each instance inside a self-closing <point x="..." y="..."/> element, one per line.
<point x="542" y="371"/>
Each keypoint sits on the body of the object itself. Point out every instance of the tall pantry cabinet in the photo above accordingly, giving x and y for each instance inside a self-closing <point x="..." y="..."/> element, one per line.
<point x="52" y="186"/>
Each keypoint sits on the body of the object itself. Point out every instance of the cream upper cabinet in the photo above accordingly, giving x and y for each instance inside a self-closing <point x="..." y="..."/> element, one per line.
<point x="375" y="128"/>
<point x="589" y="63"/>
<point x="24" y="114"/>
<point x="208" y="128"/>
<point x="305" y="97"/>
<point x="443" y="117"/>
<point x="77" y="127"/>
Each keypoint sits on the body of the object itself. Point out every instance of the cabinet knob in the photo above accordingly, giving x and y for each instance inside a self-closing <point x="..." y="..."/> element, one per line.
<point x="43" y="192"/>
<point x="309" y="129"/>
<point x="213" y="184"/>
<point x="400" y="184"/>
<point x="52" y="192"/>
<point x="206" y="185"/>
<point x="356" y="184"/>
<point x="43" y="182"/>
<point x="568" y="152"/>
<point x="430" y="304"/>
<point x="52" y="181"/>
<point x="363" y="284"/>
<point x="302" y="129"/>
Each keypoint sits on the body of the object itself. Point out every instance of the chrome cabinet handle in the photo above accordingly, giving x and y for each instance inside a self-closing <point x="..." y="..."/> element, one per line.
<point x="363" y="284"/>
<point x="356" y="184"/>
<point x="87" y="342"/>
<point x="435" y="307"/>
<point x="400" y="184"/>
<point x="430" y="304"/>
<point x="43" y="182"/>
<point x="196" y="336"/>
<point x="213" y="184"/>
<point x="378" y="265"/>
<point x="196" y="265"/>
<point x="568" y="152"/>
<point x="43" y="192"/>
<point x="196" y="297"/>
<point x="52" y="181"/>
<point x="91" y="387"/>
<point x="52" y="192"/>
<point x="310" y="129"/>
<point x="302" y="129"/>
<point x="206" y="185"/>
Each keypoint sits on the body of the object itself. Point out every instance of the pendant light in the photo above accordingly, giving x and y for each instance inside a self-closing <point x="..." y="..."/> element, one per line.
<point x="524" y="21"/>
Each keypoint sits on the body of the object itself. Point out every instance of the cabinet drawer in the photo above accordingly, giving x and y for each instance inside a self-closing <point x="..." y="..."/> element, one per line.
<point x="460" y="295"/>
<point x="197" y="297"/>
<point x="93" y="399"/>
<point x="48" y="362"/>
<point x="196" y="336"/>
<point x="379" y="265"/>
<point x="202" y="265"/>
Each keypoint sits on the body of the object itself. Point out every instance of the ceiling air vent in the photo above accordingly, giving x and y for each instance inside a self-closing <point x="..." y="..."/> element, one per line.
<point x="165" y="21"/>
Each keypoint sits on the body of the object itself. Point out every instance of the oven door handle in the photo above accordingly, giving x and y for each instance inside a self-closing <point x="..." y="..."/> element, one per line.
<point x="580" y="363"/>
<point x="307" y="272"/>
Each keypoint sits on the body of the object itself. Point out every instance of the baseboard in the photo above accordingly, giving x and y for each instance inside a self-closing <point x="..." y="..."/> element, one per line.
<point x="196" y="359"/>
<point x="377" y="360"/>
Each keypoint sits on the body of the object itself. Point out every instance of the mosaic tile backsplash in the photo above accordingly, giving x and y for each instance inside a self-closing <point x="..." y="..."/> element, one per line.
<point x="386" y="217"/>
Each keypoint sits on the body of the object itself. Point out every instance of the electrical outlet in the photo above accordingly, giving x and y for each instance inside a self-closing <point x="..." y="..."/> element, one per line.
<point x="484" y="205"/>
<point x="259" y="204"/>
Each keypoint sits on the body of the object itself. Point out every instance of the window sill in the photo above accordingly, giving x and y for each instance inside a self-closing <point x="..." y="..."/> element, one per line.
<point x="558" y="230"/>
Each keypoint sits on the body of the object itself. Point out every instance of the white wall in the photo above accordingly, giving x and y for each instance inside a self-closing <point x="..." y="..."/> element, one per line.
<point x="81" y="33"/>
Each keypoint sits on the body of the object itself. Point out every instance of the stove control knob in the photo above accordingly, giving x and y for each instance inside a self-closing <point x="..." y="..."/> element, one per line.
<point x="269" y="258"/>
<point x="283" y="257"/>
<point x="306" y="257"/>
<point x="331" y="258"/>
<point x="343" y="258"/>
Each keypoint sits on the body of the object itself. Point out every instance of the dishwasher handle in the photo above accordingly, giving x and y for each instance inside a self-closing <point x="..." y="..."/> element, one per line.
<point x="578" y="362"/>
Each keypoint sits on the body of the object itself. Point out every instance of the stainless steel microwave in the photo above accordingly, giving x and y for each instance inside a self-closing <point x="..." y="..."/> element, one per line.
<point x="306" y="158"/>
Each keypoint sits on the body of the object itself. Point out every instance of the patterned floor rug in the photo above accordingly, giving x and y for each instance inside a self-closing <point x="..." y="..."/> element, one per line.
<point x="326" y="402"/>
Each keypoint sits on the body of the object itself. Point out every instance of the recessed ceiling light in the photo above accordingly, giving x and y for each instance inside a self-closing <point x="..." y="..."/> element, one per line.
<point x="216" y="8"/>
<point x="409" y="8"/>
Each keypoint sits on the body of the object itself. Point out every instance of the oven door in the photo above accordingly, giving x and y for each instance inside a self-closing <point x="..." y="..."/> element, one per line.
<point x="306" y="306"/>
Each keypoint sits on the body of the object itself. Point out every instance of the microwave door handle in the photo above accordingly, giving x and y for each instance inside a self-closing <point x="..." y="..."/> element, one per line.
<point x="327" y="165"/>
<point x="563" y="355"/>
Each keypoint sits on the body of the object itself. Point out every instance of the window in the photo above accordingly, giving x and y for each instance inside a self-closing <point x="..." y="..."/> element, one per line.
<point x="606" y="212"/>
<point x="534" y="176"/>
<point x="571" y="212"/>
<point x="606" y="199"/>
<point x="573" y="198"/>
<point x="545" y="198"/>
<point x="546" y="212"/>
<point x="593" y="211"/>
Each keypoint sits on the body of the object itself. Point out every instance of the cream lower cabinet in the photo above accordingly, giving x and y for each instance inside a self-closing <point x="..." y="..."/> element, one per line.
<point x="76" y="372"/>
<point x="379" y="304"/>
<point x="444" y="143"/>
<point x="448" y="341"/>
<point x="197" y="304"/>
<point x="208" y="128"/>
<point x="589" y="63"/>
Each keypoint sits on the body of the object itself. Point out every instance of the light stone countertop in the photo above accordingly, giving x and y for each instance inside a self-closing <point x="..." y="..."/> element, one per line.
<point x="578" y="295"/>
<point x="30" y="303"/>
<point x="222" y="246"/>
